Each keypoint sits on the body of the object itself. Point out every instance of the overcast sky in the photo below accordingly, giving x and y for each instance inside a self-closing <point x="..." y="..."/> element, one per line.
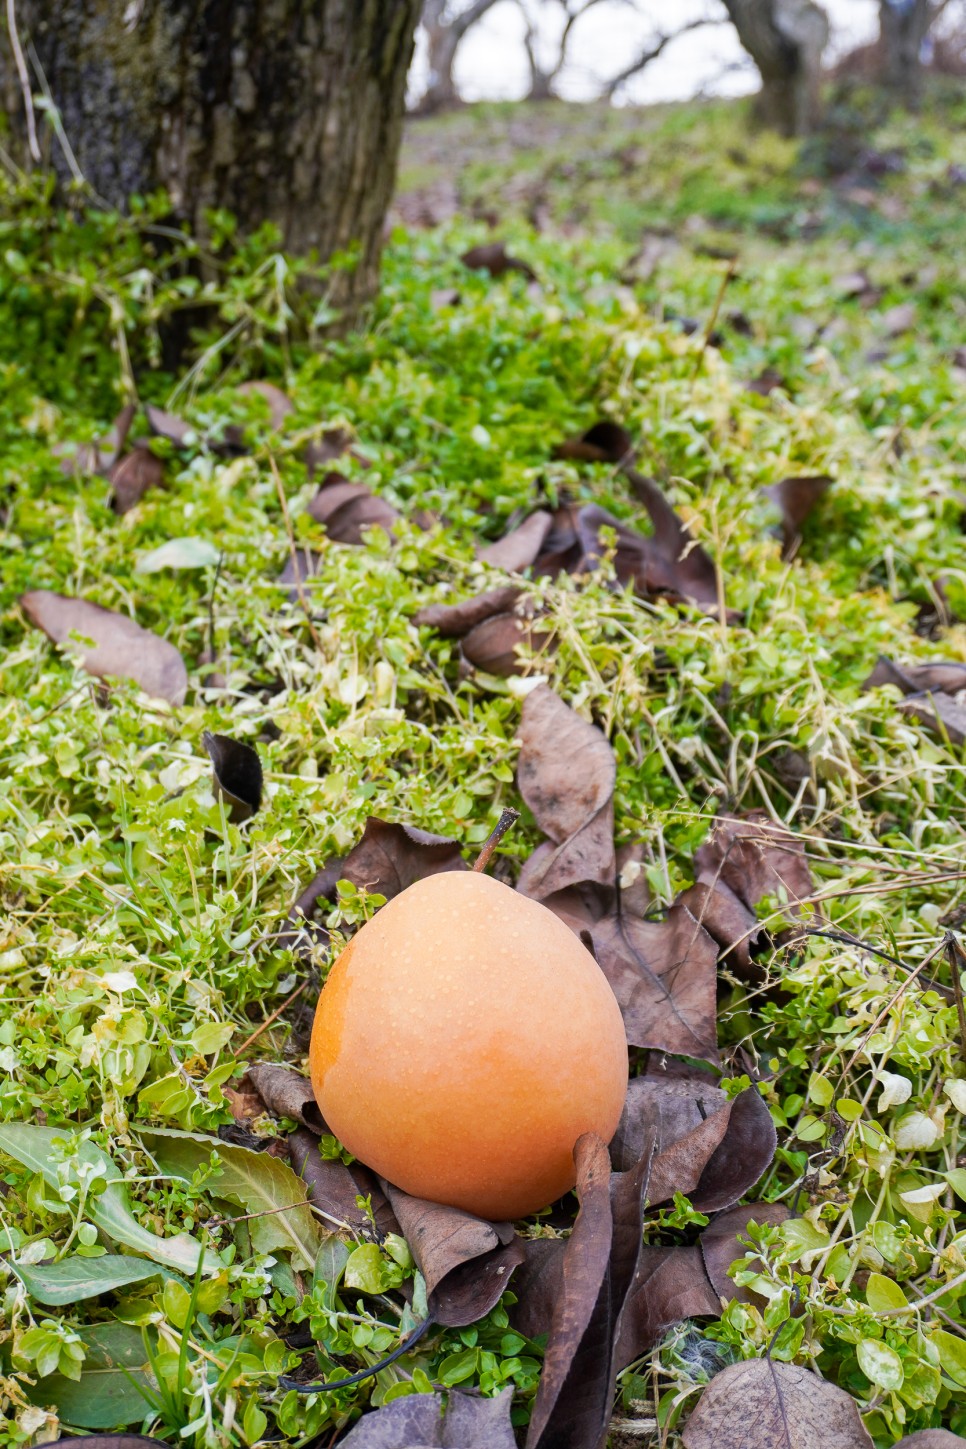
<point x="492" y="64"/>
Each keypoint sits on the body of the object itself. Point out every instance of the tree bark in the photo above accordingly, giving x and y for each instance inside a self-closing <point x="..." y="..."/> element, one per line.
<point x="288" y="111"/>
<point x="903" y="26"/>
<point x="785" y="39"/>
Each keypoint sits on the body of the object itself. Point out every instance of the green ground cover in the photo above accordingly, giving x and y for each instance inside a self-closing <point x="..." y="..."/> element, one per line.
<point x="139" y="945"/>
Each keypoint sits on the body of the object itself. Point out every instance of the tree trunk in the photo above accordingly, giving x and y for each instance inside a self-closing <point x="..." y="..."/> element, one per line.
<point x="903" y="26"/>
<point x="442" y="43"/>
<point x="785" y="39"/>
<point x="288" y="111"/>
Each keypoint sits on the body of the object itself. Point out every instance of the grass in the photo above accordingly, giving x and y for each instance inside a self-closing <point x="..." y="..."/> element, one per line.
<point x="140" y="944"/>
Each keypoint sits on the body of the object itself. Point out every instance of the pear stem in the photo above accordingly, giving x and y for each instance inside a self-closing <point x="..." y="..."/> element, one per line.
<point x="507" y="818"/>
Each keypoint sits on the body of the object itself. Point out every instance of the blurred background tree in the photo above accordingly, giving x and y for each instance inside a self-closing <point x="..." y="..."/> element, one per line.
<point x="288" y="111"/>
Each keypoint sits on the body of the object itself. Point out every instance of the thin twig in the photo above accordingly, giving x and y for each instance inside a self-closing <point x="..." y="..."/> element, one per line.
<point x="507" y="818"/>
<point x="847" y="939"/>
<point x="268" y="1020"/>
<point x="725" y="281"/>
<point x="23" y="75"/>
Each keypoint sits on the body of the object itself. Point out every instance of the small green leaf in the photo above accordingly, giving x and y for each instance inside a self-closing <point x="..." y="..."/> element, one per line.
<point x="882" y="1294"/>
<point x="365" y="1269"/>
<point x="458" y="1367"/>
<point x="820" y="1090"/>
<point x="952" y="1354"/>
<point x="957" y="1181"/>
<point x="880" y="1363"/>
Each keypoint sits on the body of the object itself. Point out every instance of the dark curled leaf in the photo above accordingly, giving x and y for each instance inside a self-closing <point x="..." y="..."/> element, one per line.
<point x="132" y="476"/>
<point x="781" y="1405"/>
<point x="347" y="509"/>
<point x="333" y="1187"/>
<point x="432" y="1421"/>
<point x="795" y="497"/>
<point x="121" y="649"/>
<point x="391" y="856"/>
<point x="670" y="1285"/>
<point x="573" y="1403"/>
<point x="455" y="620"/>
<point x="466" y="1261"/>
<point x="236" y="775"/>
<point x="494" y="258"/>
<point x="104" y="1441"/>
<point x="710" y="1148"/>
<point x="494" y="645"/>
<point x="605" y="442"/>
<point x="720" y="1246"/>
<point x="286" y="1093"/>
<point x="299" y="568"/>
<point x="686" y="568"/>
<point x="566" y="774"/>
<point x="521" y="547"/>
<point x="940" y="714"/>
<point x="387" y="859"/>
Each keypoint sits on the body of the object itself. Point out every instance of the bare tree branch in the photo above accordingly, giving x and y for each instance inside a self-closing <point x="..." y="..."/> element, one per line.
<point x="652" y="51"/>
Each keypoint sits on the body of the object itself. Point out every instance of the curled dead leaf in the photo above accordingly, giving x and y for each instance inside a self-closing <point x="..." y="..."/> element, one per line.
<point x="465" y="1260"/>
<point x="597" y="1268"/>
<point x="604" y="442"/>
<point x="519" y="548"/>
<point x="347" y="509"/>
<point x="236" y="775"/>
<point x="120" y="648"/>
<point x="455" y="620"/>
<point x="670" y="1285"/>
<point x="286" y="1093"/>
<point x="132" y="476"/>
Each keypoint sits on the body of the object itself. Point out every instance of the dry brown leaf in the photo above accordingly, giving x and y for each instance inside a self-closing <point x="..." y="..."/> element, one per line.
<point x="465" y="1260"/>
<point x="931" y="1439"/>
<point x="121" y="649"/>
<point x="286" y="1093"/>
<point x="494" y="645"/>
<point x="132" y="476"/>
<point x="347" y="509"/>
<point x="333" y="1187"/>
<point x="599" y="1261"/>
<point x="494" y="258"/>
<point x="436" y="1421"/>
<point x="795" y="497"/>
<point x="455" y="620"/>
<point x="521" y="547"/>
<point x="670" y="1285"/>
<point x="566" y="775"/>
<point x="762" y="1404"/>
